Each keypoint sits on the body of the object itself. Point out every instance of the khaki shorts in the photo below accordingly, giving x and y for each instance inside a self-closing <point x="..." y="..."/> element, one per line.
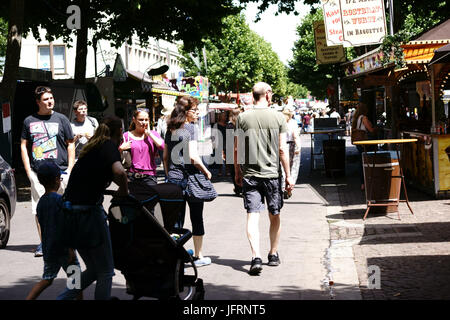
<point x="38" y="190"/>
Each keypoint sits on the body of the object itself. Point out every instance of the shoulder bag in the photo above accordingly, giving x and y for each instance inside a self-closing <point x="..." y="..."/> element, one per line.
<point x="357" y="133"/>
<point x="126" y="156"/>
<point x="199" y="188"/>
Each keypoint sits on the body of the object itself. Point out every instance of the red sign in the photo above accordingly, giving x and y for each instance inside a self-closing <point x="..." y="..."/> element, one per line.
<point x="6" y="110"/>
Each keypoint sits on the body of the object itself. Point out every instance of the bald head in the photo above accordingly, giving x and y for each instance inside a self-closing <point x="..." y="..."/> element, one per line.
<point x="259" y="91"/>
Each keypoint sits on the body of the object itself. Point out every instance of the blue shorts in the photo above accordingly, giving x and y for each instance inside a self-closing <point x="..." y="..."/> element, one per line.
<point x="255" y="190"/>
<point x="51" y="268"/>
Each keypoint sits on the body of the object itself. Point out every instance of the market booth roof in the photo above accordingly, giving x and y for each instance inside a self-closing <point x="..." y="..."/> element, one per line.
<point x="441" y="55"/>
<point x="130" y="84"/>
<point x="421" y="49"/>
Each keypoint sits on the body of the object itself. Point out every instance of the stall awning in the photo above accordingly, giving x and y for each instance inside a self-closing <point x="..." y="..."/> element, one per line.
<point x="421" y="51"/>
<point x="441" y="55"/>
<point x="169" y="92"/>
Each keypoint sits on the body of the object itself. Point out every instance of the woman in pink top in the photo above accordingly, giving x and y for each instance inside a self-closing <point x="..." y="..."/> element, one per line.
<point x="143" y="144"/>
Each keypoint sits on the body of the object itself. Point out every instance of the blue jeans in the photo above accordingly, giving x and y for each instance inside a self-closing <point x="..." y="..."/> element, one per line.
<point x="99" y="263"/>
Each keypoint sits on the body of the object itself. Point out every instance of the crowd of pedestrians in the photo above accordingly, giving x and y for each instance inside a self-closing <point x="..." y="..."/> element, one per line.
<point x="70" y="165"/>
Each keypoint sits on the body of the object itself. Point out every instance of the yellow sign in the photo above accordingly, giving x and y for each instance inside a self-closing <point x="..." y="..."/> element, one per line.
<point x="324" y="53"/>
<point x="444" y="163"/>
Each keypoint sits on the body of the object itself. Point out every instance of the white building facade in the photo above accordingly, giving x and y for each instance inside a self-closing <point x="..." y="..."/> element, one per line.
<point x="36" y="54"/>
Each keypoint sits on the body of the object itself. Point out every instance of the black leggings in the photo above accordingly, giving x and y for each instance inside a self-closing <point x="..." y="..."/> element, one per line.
<point x="196" y="215"/>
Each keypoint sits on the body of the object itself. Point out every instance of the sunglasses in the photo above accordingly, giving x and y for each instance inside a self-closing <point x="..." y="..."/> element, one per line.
<point x="43" y="90"/>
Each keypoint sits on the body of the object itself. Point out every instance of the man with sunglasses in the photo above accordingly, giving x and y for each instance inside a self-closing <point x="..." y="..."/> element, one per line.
<point x="46" y="135"/>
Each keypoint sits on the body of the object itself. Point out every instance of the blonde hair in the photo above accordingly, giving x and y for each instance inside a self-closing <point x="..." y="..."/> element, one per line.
<point x="110" y="126"/>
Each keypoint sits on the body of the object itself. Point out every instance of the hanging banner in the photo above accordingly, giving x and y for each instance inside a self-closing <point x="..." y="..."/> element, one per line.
<point x="363" y="22"/>
<point x="333" y="22"/>
<point x="324" y="53"/>
<point x="6" y="116"/>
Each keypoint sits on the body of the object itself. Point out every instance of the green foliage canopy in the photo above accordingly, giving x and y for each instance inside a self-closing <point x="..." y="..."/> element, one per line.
<point x="303" y="67"/>
<point x="240" y="58"/>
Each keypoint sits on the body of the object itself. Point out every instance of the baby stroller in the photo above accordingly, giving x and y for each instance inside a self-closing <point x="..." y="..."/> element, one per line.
<point x="144" y="247"/>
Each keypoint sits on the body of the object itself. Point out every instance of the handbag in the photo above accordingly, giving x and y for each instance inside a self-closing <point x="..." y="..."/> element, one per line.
<point x="358" y="134"/>
<point x="199" y="188"/>
<point x="126" y="156"/>
<point x="81" y="228"/>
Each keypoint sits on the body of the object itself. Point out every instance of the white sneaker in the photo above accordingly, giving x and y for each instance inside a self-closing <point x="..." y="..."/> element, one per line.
<point x="202" y="262"/>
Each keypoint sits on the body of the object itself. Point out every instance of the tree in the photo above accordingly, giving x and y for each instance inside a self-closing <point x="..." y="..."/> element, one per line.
<point x="239" y="58"/>
<point x="14" y="42"/>
<point x="296" y="90"/>
<point x="3" y="42"/>
<point x="303" y="67"/>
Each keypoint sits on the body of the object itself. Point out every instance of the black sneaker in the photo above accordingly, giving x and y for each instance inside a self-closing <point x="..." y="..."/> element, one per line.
<point x="274" y="260"/>
<point x="255" y="267"/>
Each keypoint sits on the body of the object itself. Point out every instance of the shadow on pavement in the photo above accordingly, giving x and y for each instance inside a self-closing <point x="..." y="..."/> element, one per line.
<point x="398" y="233"/>
<point x="348" y="186"/>
<point x="238" y="265"/>
<point x="355" y="214"/>
<point x="21" y="248"/>
<point x="411" y="278"/>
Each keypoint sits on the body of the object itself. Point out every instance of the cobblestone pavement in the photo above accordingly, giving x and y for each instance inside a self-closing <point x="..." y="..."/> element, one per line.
<point x="412" y="254"/>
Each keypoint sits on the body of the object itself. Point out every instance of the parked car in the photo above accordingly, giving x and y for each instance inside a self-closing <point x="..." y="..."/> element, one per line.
<point x="8" y="198"/>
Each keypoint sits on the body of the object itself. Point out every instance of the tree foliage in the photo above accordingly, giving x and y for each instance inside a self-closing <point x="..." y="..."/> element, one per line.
<point x="414" y="19"/>
<point x="240" y="58"/>
<point x="3" y="42"/>
<point x="303" y="67"/>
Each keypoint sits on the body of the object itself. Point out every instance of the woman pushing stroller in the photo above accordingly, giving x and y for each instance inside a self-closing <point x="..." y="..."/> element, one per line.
<point x="98" y="165"/>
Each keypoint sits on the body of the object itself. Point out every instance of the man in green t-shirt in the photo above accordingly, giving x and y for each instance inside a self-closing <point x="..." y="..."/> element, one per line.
<point x="259" y="147"/>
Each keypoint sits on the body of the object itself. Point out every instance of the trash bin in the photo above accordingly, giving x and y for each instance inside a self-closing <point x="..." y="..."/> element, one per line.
<point x="386" y="179"/>
<point x="334" y="156"/>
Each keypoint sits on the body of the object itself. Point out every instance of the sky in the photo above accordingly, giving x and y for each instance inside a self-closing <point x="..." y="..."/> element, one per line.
<point x="279" y="30"/>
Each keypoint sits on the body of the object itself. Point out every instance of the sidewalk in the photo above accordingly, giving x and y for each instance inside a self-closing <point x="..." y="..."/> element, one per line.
<point x="412" y="254"/>
<point x="325" y="246"/>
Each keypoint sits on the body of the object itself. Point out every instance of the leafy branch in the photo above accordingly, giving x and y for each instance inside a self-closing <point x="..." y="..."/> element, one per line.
<point x="392" y="50"/>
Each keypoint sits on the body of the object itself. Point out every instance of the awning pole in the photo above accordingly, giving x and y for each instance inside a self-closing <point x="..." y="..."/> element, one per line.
<point x="433" y="104"/>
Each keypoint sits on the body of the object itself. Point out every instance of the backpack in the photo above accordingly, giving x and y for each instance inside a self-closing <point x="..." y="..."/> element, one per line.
<point x="92" y="122"/>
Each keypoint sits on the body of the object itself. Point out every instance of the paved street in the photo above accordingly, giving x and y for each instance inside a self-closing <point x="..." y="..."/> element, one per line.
<point x="325" y="246"/>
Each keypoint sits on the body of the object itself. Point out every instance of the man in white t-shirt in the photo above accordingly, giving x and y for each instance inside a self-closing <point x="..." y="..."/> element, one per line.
<point x="335" y="114"/>
<point x="83" y="126"/>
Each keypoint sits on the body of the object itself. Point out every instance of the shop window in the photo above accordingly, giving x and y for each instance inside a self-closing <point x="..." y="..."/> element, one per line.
<point x="59" y="58"/>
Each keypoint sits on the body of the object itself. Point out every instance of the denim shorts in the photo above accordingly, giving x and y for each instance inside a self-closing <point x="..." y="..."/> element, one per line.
<point x="51" y="268"/>
<point x="255" y="190"/>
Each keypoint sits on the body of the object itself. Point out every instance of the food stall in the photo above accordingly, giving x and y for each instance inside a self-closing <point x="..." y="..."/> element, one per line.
<point x="372" y="81"/>
<point x="423" y="111"/>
